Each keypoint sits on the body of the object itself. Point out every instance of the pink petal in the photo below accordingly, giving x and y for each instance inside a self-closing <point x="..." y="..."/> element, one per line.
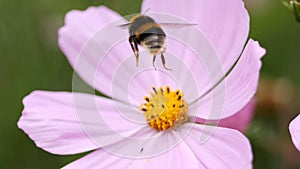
<point x="179" y="157"/>
<point x="217" y="147"/>
<point x="237" y="89"/>
<point x="294" y="128"/>
<point x="239" y="121"/>
<point x="225" y="23"/>
<point x="80" y="26"/>
<point x="99" y="159"/>
<point x="86" y="38"/>
<point x="69" y="123"/>
<point x="152" y="144"/>
<point x="51" y="121"/>
<point x="241" y="83"/>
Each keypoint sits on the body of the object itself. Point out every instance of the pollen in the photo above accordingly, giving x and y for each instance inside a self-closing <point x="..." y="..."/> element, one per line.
<point x="165" y="108"/>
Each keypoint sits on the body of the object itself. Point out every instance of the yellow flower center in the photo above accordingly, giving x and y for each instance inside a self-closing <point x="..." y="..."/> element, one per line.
<point x="165" y="108"/>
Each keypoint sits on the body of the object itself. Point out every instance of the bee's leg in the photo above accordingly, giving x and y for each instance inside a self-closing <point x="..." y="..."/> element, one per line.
<point x="134" y="48"/>
<point x="164" y="61"/>
<point x="153" y="61"/>
<point x="137" y="56"/>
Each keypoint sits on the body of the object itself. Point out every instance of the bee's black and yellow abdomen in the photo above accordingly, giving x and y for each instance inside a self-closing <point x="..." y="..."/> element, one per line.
<point x="152" y="31"/>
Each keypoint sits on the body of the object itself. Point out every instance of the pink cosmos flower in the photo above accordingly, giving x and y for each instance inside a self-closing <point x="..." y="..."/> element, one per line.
<point x="295" y="132"/>
<point x="160" y="133"/>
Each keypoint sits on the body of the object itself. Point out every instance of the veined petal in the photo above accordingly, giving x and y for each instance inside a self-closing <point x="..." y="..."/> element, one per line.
<point x="240" y="85"/>
<point x="50" y="120"/>
<point x="70" y="123"/>
<point x="178" y="157"/>
<point x="80" y="26"/>
<point x="217" y="147"/>
<point x="94" y="45"/>
<point x="153" y="144"/>
<point x="294" y="128"/>
<point x="99" y="159"/>
<point x="225" y="23"/>
<point x="242" y="82"/>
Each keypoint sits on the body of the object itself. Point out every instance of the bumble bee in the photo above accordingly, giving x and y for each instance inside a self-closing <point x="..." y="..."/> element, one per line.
<point x="144" y="31"/>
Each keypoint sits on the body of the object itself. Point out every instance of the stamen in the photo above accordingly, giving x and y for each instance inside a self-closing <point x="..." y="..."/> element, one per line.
<point x="179" y="97"/>
<point x="154" y="90"/>
<point x="168" y="89"/>
<point x="165" y="109"/>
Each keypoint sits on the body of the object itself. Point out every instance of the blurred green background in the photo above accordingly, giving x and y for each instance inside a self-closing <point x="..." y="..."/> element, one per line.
<point x="31" y="60"/>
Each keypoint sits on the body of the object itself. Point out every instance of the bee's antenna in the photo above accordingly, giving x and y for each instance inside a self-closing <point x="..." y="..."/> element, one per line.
<point x="124" y="11"/>
<point x="147" y="10"/>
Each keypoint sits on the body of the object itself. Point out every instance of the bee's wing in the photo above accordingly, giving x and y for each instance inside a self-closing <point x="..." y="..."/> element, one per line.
<point x="124" y="26"/>
<point x="176" y="25"/>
